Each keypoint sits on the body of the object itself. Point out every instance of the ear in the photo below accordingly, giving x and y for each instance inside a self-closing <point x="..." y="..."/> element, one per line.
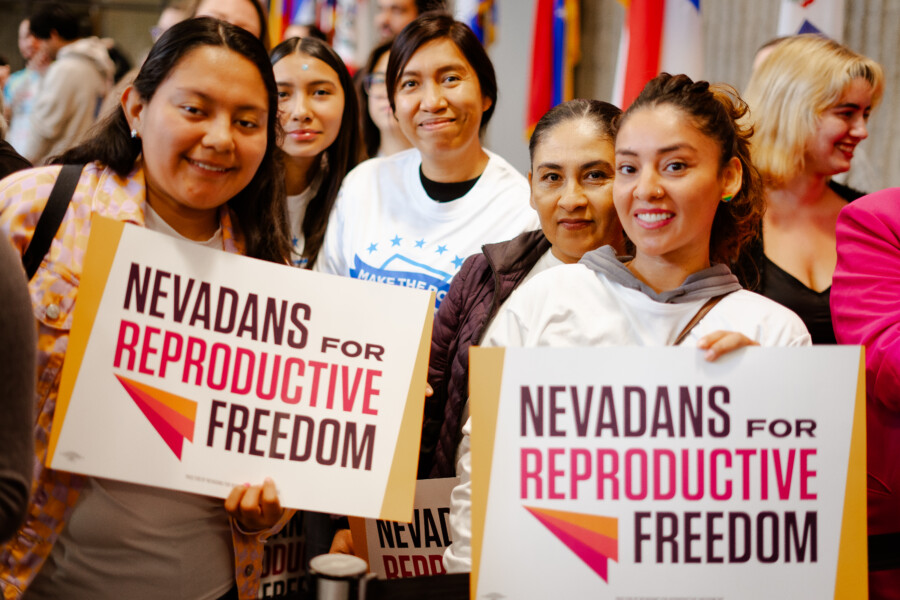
<point x="485" y="103"/>
<point x="133" y="105"/>
<point x="530" y="195"/>
<point x="732" y="177"/>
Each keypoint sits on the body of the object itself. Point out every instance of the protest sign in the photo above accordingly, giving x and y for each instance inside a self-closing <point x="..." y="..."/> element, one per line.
<point x="197" y="370"/>
<point x="651" y="473"/>
<point x="414" y="549"/>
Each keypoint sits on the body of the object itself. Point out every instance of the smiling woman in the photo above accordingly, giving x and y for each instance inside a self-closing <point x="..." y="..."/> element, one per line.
<point x="810" y="99"/>
<point x="412" y="218"/>
<point x="317" y="106"/>
<point x="192" y="157"/>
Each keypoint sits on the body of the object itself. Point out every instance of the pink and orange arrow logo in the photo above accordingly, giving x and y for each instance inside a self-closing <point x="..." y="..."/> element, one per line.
<point x="172" y="416"/>
<point x="594" y="539"/>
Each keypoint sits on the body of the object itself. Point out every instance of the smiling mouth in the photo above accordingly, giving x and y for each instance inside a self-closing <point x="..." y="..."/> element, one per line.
<point x="846" y="148"/>
<point x="435" y="123"/>
<point x="654" y="217"/>
<point x="207" y="166"/>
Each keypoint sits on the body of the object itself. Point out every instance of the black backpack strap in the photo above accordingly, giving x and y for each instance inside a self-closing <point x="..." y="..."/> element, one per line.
<point x="51" y="218"/>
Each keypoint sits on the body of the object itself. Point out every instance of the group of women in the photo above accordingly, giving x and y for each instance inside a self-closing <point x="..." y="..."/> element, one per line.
<point x="641" y="217"/>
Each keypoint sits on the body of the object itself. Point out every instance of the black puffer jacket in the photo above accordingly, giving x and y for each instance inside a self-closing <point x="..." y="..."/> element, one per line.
<point x="483" y="284"/>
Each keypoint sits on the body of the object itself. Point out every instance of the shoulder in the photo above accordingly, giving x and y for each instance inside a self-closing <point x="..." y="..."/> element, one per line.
<point x="371" y="175"/>
<point x="498" y="168"/>
<point x="883" y="206"/>
<point x="770" y="323"/>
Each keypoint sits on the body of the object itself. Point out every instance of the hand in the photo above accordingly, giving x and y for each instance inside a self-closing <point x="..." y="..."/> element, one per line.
<point x="342" y="543"/>
<point x="429" y="391"/>
<point x="720" y="343"/>
<point x="255" y="507"/>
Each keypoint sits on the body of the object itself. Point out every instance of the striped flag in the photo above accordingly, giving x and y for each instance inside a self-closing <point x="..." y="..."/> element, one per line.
<point x="285" y="12"/>
<point x="480" y="16"/>
<point x="556" y="48"/>
<point x="658" y="36"/>
<point x="812" y="16"/>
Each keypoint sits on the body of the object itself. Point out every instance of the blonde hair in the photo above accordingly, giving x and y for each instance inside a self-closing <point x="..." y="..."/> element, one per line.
<point x="802" y="77"/>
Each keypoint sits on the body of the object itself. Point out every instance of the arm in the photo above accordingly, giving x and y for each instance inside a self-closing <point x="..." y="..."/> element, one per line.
<point x="17" y="379"/>
<point x="458" y="555"/>
<point x="444" y="331"/>
<point x="866" y="288"/>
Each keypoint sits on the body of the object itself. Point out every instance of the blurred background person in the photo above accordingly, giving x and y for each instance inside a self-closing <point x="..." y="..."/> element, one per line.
<point x="391" y="16"/>
<point x="810" y="102"/>
<point x="303" y="31"/>
<point x="68" y="99"/>
<point x="20" y="89"/>
<point x="248" y="14"/>
<point x="381" y="131"/>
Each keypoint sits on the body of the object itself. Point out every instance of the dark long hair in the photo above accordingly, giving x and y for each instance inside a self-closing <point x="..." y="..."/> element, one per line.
<point x="370" y="133"/>
<point x="259" y="207"/>
<point x="341" y="156"/>
<point x="716" y="111"/>
<point x="436" y="26"/>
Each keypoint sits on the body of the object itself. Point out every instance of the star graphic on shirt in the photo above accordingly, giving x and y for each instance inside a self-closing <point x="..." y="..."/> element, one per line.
<point x="420" y="243"/>
<point x="373" y="248"/>
<point x="457" y="262"/>
<point x="441" y="249"/>
<point x="396" y="241"/>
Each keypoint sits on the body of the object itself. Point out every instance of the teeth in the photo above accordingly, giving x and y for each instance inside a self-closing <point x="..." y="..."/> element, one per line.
<point x="208" y="167"/>
<point x="654" y="217"/>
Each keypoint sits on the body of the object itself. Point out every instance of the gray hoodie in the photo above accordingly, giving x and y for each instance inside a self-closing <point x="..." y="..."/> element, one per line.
<point x="713" y="281"/>
<point x="69" y="98"/>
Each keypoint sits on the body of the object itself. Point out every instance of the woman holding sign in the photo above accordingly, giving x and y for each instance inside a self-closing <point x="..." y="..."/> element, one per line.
<point x="190" y="153"/>
<point x="317" y="105"/>
<point x="689" y="200"/>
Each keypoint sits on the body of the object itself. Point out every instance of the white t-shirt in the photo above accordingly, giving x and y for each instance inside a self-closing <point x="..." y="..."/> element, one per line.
<point x="384" y="227"/>
<point x="573" y="305"/>
<point x="125" y="540"/>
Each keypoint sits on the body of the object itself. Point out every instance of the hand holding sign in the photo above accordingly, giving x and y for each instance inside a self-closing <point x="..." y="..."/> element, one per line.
<point x="255" y="507"/>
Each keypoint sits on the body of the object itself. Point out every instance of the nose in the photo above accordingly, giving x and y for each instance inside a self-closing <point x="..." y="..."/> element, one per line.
<point x="300" y="108"/>
<point x="432" y="97"/>
<point x="860" y="127"/>
<point x="219" y="135"/>
<point x="573" y="196"/>
<point x="648" y="185"/>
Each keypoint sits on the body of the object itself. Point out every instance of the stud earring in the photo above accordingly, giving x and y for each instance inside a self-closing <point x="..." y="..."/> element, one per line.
<point x="727" y="199"/>
<point x="134" y="133"/>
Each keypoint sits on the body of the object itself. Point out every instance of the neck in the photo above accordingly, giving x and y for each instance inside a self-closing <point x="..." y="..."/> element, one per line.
<point x="299" y="173"/>
<point x="197" y="225"/>
<point x="663" y="274"/>
<point x="460" y="166"/>
<point x="802" y="190"/>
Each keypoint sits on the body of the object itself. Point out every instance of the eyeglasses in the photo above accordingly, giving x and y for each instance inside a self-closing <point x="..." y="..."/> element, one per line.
<point x="374" y="84"/>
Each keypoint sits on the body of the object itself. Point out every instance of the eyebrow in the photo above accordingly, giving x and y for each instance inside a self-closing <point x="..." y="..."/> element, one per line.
<point x="587" y="165"/>
<point x="208" y="98"/>
<point x="444" y="69"/>
<point x="852" y="105"/>
<point x="664" y="150"/>
<point x="317" y="82"/>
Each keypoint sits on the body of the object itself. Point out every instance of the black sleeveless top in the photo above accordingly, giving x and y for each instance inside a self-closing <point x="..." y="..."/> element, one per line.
<point x="777" y="284"/>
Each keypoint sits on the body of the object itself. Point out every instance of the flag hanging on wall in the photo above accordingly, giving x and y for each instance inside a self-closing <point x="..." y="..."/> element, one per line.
<point x="812" y="16"/>
<point x="658" y="36"/>
<point x="284" y="12"/>
<point x="480" y="16"/>
<point x="556" y="48"/>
